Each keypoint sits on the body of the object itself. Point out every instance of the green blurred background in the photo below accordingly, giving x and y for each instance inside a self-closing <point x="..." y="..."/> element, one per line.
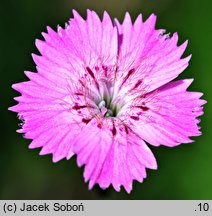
<point x="185" y="172"/>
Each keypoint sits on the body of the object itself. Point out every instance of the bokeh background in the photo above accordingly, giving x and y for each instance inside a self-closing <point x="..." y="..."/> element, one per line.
<point x="185" y="172"/>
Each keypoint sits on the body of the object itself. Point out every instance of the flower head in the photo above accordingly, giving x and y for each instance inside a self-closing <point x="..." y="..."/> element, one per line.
<point x="102" y="90"/>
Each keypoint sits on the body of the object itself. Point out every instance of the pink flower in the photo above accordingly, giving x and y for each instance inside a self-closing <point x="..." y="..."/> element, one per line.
<point x="102" y="90"/>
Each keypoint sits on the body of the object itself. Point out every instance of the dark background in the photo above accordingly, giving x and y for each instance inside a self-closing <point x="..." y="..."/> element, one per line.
<point x="185" y="172"/>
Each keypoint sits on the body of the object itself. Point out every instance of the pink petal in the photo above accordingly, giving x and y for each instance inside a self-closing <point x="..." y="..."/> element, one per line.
<point x="155" y="57"/>
<point x="172" y="114"/>
<point x="112" y="160"/>
<point x="101" y="90"/>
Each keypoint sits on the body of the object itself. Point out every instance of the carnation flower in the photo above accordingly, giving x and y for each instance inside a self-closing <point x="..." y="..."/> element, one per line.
<point x="104" y="90"/>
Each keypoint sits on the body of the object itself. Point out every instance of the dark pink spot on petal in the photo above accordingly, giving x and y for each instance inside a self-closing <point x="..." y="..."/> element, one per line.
<point x="92" y="75"/>
<point x="99" y="126"/>
<point x="130" y="72"/>
<point x="82" y="83"/>
<point x="126" y="129"/>
<point x="97" y="84"/>
<point x="96" y="68"/>
<point x="90" y="72"/>
<point x="104" y="67"/>
<point x="114" y="132"/>
<point x="86" y="121"/>
<point x="77" y="107"/>
<point x="78" y="94"/>
<point x="143" y="108"/>
<point x="136" y="118"/>
<point x="137" y="84"/>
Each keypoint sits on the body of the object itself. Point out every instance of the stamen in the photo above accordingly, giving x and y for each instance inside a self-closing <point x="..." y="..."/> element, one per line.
<point x="101" y="104"/>
<point x="109" y="113"/>
<point x="104" y="110"/>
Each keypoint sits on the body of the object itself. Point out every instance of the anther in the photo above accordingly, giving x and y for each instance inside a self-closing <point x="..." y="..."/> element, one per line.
<point x="101" y="104"/>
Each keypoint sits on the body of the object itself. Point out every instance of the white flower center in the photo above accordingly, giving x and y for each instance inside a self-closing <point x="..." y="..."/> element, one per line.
<point x="107" y="110"/>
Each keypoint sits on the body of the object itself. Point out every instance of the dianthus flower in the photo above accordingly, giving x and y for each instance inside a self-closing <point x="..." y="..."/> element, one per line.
<point x="102" y="90"/>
